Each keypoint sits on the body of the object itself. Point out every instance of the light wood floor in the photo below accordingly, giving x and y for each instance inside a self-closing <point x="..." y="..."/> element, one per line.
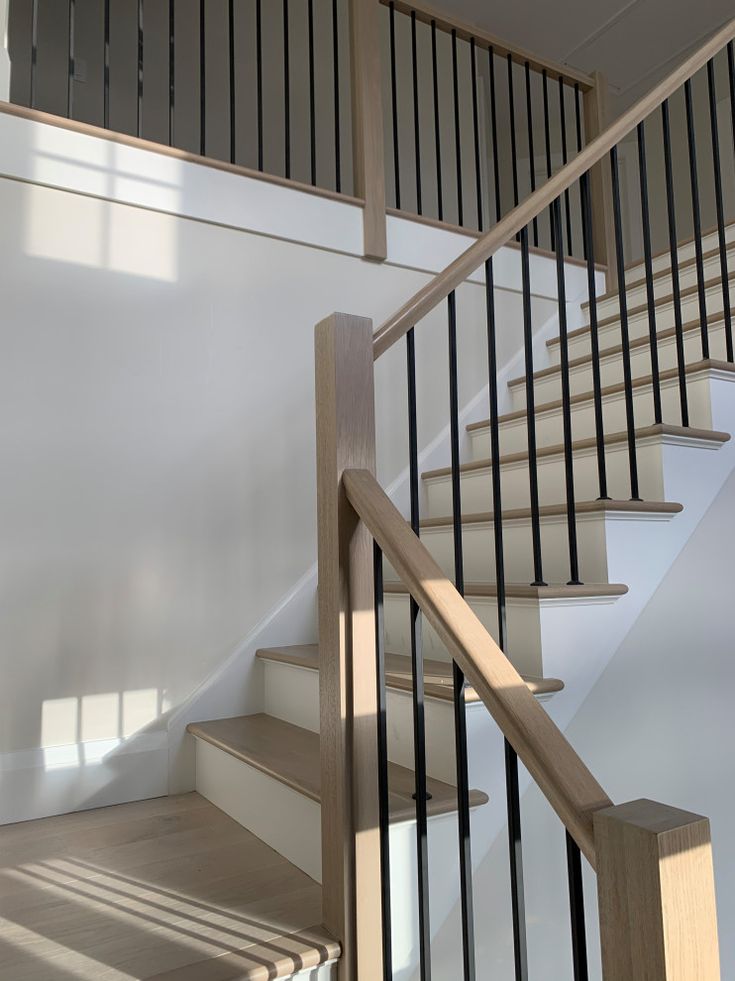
<point x="164" y="889"/>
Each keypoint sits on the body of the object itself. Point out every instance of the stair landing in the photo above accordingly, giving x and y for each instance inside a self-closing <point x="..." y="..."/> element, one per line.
<point x="169" y="889"/>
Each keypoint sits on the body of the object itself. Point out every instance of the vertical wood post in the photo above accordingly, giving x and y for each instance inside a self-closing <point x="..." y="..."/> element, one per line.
<point x="345" y="438"/>
<point x="367" y="124"/>
<point x="603" y="227"/>
<point x="658" y="919"/>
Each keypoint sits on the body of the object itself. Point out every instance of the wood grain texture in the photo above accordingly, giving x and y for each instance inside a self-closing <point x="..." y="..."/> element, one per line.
<point x="345" y="437"/>
<point x="290" y="754"/>
<point x="427" y="298"/>
<point x="367" y="124"/>
<point x="658" y="915"/>
<point x="438" y="679"/>
<point x="568" y="785"/>
<point x="483" y="39"/>
<point x="168" y="889"/>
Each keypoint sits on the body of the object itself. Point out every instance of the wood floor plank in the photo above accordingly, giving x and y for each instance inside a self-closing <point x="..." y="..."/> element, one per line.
<point x="151" y="890"/>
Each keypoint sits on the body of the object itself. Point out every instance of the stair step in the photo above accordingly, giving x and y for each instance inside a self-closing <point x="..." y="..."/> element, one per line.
<point x="608" y="390"/>
<point x="290" y="755"/>
<point x="559" y="510"/>
<point x="437" y="674"/>
<point x="691" y="328"/>
<point x="611" y="439"/>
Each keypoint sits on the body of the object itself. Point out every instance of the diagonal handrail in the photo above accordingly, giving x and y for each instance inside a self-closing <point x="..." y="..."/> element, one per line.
<point x="564" y="779"/>
<point x="427" y="298"/>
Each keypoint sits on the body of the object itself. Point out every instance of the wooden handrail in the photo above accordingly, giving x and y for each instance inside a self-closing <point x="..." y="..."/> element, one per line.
<point x="428" y="15"/>
<point x="484" y="248"/>
<point x="568" y="785"/>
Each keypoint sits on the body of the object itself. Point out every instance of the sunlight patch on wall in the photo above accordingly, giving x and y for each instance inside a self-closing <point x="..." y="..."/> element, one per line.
<point x="96" y="234"/>
<point x="85" y="729"/>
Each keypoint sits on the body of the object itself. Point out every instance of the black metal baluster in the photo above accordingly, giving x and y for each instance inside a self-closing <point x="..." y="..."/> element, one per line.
<point x="171" y="69"/>
<point x="623" y="301"/>
<point x="547" y="145"/>
<point x="394" y="106"/>
<point x="576" y="910"/>
<point x="538" y="577"/>
<point x="648" y="259"/>
<point x="140" y="68"/>
<point x="574" y="579"/>
<point x="416" y="122"/>
<point x="286" y="92"/>
<point x="494" y="133"/>
<point x="383" y="788"/>
<point x="259" y="77"/>
<point x="696" y="217"/>
<point x="312" y="94"/>
<point x="231" y="39"/>
<point x="337" y="131"/>
<point x="531" y="154"/>
<point x="513" y="147"/>
<point x="437" y="128"/>
<point x="674" y="258"/>
<point x="731" y="78"/>
<point x="34" y="53"/>
<point x="106" y="66"/>
<point x="515" y="847"/>
<point x="719" y="204"/>
<point x="594" y="337"/>
<point x="71" y="67"/>
<point x="460" y="720"/>
<point x="476" y="134"/>
<point x="202" y="79"/>
<point x="578" y="118"/>
<point x="564" y="159"/>
<point x="417" y="670"/>
<point x="457" y="132"/>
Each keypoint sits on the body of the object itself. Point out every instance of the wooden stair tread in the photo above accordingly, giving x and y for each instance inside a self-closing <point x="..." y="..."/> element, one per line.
<point x="715" y="321"/>
<point x="589" y="442"/>
<point x="524" y="591"/>
<point x="290" y="754"/>
<point x="437" y="674"/>
<point x="706" y="364"/>
<point x="557" y="510"/>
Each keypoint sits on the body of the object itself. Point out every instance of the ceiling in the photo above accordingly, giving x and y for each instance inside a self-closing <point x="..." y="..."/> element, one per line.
<point x="633" y="42"/>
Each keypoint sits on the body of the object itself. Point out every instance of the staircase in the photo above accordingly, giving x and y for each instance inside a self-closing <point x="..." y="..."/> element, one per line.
<point x="263" y="769"/>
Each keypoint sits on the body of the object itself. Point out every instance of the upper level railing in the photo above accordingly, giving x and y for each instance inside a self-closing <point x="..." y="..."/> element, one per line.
<point x="622" y="378"/>
<point x="389" y="102"/>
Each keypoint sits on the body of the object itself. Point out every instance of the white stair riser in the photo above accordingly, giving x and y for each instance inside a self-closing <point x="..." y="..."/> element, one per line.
<point x="663" y="285"/>
<point x="638" y="326"/>
<point x="523" y="618"/>
<point x="684" y="252"/>
<point x="292" y="694"/>
<point x="548" y="388"/>
<point x="549" y="431"/>
<point x="478" y="542"/>
<point x="291" y="824"/>
<point x="476" y="485"/>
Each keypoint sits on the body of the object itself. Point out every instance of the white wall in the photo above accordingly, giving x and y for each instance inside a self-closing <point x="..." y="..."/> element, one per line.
<point x="658" y="724"/>
<point x="156" y="422"/>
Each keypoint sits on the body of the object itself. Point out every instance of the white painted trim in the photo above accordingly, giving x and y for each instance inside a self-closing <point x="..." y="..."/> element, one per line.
<point x="4" y="55"/>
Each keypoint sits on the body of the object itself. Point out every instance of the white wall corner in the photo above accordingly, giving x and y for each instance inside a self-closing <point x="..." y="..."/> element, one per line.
<point x="4" y="56"/>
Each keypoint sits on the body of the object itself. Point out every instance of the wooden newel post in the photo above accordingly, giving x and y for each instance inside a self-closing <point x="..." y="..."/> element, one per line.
<point x="658" y="918"/>
<point x="345" y="438"/>
<point x="603" y="227"/>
